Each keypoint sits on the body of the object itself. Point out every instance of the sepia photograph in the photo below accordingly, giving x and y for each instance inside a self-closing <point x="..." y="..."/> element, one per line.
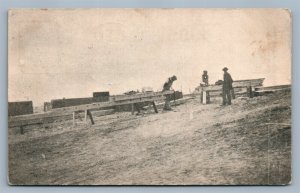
<point x="154" y="96"/>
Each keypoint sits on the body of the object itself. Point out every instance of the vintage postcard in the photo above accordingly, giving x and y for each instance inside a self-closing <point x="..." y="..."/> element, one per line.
<point x="149" y="96"/>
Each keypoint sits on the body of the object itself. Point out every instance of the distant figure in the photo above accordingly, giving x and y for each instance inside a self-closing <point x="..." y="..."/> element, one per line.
<point x="167" y="86"/>
<point x="227" y="87"/>
<point x="205" y="77"/>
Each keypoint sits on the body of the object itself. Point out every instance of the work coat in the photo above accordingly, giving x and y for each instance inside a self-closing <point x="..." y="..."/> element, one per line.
<point x="227" y="82"/>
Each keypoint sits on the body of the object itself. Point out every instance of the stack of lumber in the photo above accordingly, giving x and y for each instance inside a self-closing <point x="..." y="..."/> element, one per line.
<point x="38" y="118"/>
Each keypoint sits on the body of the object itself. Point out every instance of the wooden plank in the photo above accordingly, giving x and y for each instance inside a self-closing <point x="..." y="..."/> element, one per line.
<point x="139" y="96"/>
<point x="236" y="94"/>
<point x="237" y="84"/>
<point x="216" y="93"/>
<point x="268" y="91"/>
<point x="272" y="91"/>
<point x="248" y="82"/>
<point x="273" y="87"/>
<point x="102" y="112"/>
<point x="178" y="102"/>
<point x="65" y="116"/>
<point x="39" y="118"/>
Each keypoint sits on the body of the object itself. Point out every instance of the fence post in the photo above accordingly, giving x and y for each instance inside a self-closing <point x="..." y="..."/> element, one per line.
<point x="91" y="116"/>
<point x="207" y="97"/>
<point x="132" y="108"/>
<point x="250" y="93"/>
<point x="204" y="97"/>
<point x="73" y="118"/>
<point x="85" y="115"/>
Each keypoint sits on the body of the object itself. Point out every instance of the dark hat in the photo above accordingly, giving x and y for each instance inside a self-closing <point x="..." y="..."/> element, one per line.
<point x="225" y="69"/>
<point x="174" y="77"/>
<point x="205" y="71"/>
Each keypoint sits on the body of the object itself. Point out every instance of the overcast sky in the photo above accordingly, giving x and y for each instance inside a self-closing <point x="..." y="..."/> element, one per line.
<point x="72" y="53"/>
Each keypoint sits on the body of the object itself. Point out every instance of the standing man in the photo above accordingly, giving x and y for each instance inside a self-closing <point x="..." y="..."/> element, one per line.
<point x="168" y="86"/>
<point x="205" y="77"/>
<point x="227" y="87"/>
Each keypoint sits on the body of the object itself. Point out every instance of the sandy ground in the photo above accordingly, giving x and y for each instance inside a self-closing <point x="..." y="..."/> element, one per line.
<point x="246" y="143"/>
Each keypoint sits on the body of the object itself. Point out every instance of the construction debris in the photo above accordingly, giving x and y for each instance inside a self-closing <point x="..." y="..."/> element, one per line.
<point x="40" y="118"/>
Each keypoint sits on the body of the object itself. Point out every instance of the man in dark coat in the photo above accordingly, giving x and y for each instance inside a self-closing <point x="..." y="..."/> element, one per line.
<point x="227" y="87"/>
<point x="167" y="86"/>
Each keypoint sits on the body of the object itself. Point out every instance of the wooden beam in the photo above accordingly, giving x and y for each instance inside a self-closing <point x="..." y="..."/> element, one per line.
<point x="85" y="115"/>
<point x="139" y="96"/>
<point x="268" y="91"/>
<point x="102" y="112"/>
<point x="178" y="102"/>
<point x="154" y="107"/>
<point x="273" y="87"/>
<point x="91" y="116"/>
<point x="16" y="121"/>
<point x="237" y="84"/>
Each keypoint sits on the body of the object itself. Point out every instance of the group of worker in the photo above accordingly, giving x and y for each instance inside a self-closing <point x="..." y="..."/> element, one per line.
<point x="227" y="88"/>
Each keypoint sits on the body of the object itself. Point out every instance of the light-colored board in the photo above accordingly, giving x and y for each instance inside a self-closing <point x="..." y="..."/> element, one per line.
<point x="204" y="97"/>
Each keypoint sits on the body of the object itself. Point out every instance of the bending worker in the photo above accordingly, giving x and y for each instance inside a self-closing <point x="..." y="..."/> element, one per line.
<point x="227" y="87"/>
<point x="167" y="86"/>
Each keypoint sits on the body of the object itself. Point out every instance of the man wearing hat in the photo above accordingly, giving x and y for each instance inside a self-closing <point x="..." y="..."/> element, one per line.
<point x="167" y="86"/>
<point x="227" y="87"/>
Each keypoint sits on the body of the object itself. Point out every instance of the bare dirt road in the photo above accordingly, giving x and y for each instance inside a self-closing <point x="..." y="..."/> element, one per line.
<point x="246" y="143"/>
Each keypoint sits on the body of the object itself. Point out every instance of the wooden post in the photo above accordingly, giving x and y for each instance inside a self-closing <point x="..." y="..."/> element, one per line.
<point x="91" y="116"/>
<point x="21" y="130"/>
<point x="174" y="98"/>
<point x="85" y="115"/>
<point x="137" y="107"/>
<point x="250" y="93"/>
<point x="132" y="108"/>
<point x="74" y="118"/>
<point x="149" y="107"/>
<point x="154" y="107"/>
<point x="232" y="93"/>
<point x="201" y="97"/>
<point x="207" y="97"/>
<point x="204" y="97"/>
